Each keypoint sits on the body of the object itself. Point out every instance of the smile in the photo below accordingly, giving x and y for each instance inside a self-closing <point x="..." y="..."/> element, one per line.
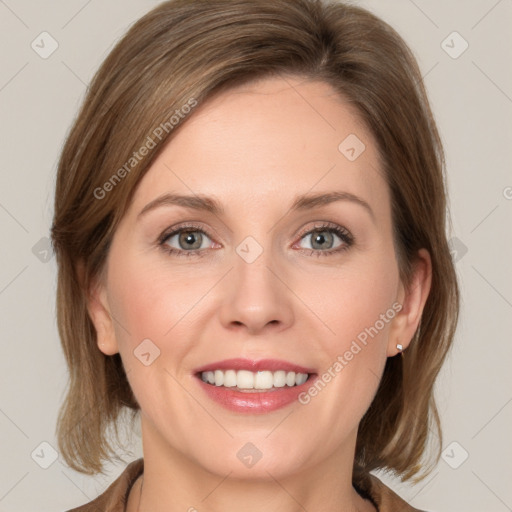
<point x="242" y="385"/>
<point x="247" y="380"/>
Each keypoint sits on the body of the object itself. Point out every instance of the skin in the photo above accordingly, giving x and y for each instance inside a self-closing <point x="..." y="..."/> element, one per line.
<point x="254" y="149"/>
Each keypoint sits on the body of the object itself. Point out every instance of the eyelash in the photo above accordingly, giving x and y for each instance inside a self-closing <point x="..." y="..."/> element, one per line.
<point x="346" y="237"/>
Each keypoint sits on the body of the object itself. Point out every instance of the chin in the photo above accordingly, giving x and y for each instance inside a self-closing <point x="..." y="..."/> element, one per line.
<point x="256" y="457"/>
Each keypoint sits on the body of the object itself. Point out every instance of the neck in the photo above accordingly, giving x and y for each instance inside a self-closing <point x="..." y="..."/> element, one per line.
<point x="173" y="482"/>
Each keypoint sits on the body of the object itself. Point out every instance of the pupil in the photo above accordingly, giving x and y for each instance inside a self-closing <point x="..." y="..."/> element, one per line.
<point x="320" y="238"/>
<point x="190" y="240"/>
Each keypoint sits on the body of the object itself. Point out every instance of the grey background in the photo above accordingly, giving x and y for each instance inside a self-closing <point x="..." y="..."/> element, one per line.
<point x="472" y="100"/>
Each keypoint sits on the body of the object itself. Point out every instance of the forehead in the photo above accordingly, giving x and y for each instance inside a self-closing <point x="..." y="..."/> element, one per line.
<point x="262" y="143"/>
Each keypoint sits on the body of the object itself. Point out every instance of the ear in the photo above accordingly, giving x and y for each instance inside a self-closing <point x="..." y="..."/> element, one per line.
<point x="412" y="299"/>
<point x="99" y="313"/>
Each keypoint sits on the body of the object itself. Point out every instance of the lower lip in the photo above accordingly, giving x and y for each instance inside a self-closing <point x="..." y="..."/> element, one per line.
<point x="254" y="402"/>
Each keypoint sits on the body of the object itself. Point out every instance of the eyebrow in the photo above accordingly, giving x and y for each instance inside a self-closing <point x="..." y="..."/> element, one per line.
<point x="308" y="201"/>
<point x="208" y="204"/>
<point x="195" y="202"/>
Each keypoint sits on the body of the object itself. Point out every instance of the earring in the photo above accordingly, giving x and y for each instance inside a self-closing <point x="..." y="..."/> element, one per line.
<point x="399" y="347"/>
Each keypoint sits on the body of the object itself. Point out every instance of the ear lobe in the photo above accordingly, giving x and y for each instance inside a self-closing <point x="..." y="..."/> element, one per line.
<point x="99" y="312"/>
<point x="413" y="301"/>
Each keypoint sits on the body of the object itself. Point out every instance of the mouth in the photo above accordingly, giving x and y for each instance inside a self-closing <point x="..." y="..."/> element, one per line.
<point x="248" y="381"/>
<point x="243" y="385"/>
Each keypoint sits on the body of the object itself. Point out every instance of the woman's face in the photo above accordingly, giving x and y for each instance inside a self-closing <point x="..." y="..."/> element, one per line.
<point x="293" y="272"/>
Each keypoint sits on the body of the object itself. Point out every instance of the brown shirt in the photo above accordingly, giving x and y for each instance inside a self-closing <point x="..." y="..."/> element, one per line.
<point x="115" y="497"/>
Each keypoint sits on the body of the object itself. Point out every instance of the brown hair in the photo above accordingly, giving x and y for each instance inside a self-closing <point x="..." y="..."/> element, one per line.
<point x="181" y="53"/>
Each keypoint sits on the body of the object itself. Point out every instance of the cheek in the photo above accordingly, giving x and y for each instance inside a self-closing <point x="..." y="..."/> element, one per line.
<point x="359" y="298"/>
<point x="157" y="303"/>
<point x="150" y="301"/>
<point x="357" y="306"/>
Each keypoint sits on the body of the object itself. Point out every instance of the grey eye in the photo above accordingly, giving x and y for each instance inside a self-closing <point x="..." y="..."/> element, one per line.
<point x="322" y="240"/>
<point x="189" y="240"/>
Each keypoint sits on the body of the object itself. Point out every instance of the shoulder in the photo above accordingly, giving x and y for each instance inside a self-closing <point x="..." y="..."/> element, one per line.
<point x="113" y="499"/>
<point x="385" y="499"/>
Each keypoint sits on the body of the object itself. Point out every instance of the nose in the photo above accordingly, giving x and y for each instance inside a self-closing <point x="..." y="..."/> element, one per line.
<point x="256" y="298"/>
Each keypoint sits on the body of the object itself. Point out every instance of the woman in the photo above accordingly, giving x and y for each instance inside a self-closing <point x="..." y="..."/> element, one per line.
<point x="250" y="233"/>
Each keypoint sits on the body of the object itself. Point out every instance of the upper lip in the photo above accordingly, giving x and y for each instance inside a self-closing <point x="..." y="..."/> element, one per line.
<point x="272" y="365"/>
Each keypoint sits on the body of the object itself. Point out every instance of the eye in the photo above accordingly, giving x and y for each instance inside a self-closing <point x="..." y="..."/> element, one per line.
<point x="190" y="240"/>
<point x="327" y="239"/>
<point x="185" y="241"/>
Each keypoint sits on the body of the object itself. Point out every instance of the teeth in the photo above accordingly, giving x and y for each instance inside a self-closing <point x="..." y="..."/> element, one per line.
<point x="279" y="379"/>
<point x="219" y="378"/>
<point x="290" y="379"/>
<point x="300" y="378"/>
<point x="263" y="380"/>
<point x="230" y="378"/>
<point x="245" y="379"/>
